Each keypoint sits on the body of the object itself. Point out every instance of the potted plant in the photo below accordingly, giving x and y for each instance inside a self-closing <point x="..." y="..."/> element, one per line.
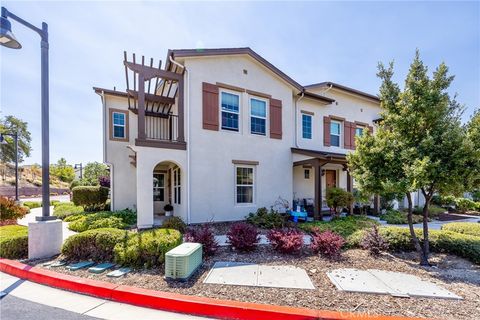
<point x="168" y="209"/>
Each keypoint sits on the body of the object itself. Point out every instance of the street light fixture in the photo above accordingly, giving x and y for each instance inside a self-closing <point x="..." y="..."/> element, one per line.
<point x="3" y="141"/>
<point x="7" y="39"/>
<point x="79" y="166"/>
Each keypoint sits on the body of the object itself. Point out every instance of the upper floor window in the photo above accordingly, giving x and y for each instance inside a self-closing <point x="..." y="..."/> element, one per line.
<point x="118" y="125"/>
<point x="335" y="133"/>
<point x="244" y="184"/>
<point x="230" y="111"/>
<point x="306" y="126"/>
<point x="258" y="116"/>
<point x="358" y="131"/>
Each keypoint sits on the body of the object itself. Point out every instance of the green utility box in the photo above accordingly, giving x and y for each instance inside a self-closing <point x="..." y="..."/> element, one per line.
<point x="182" y="261"/>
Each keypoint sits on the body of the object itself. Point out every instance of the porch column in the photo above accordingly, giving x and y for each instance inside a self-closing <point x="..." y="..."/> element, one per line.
<point x="181" y="110"/>
<point x="317" y="213"/>
<point x="141" y="107"/>
<point x="349" y="189"/>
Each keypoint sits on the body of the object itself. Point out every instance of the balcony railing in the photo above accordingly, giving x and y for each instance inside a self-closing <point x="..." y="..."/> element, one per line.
<point x="164" y="129"/>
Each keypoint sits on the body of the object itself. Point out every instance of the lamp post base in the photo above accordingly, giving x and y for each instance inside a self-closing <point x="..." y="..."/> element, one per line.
<point x="45" y="238"/>
<point x="43" y="218"/>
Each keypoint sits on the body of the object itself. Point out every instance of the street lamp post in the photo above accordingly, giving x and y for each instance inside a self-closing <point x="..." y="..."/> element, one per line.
<point x="7" y="39"/>
<point x="3" y="141"/>
<point x="79" y="166"/>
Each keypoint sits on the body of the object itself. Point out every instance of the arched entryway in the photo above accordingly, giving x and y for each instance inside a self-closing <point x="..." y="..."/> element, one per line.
<point x="166" y="189"/>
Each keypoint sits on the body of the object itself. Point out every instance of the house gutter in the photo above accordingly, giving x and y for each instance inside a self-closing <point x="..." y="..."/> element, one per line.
<point x="105" y="160"/>
<point x="187" y="111"/>
<point x="296" y="118"/>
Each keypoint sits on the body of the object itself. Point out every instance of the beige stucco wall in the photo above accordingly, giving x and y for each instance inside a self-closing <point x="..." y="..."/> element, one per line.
<point x="212" y="174"/>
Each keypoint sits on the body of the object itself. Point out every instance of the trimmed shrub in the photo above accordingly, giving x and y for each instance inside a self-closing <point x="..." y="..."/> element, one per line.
<point x="327" y="243"/>
<point x="397" y="217"/>
<point x="64" y="210"/>
<point x="96" y="244"/>
<point x="9" y="210"/>
<point x="205" y="236"/>
<point x="470" y="228"/>
<point x="344" y="226"/>
<point x="464" y="204"/>
<point x="243" y="236"/>
<point x="374" y="242"/>
<point x="104" y="181"/>
<point x="337" y="199"/>
<point x="447" y="200"/>
<point x="175" y="223"/>
<point x="105" y="219"/>
<point x="147" y="248"/>
<point x="32" y="204"/>
<point x="13" y="242"/>
<point x="265" y="219"/>
<point x="288" y="240"/>
<point x="91" y="198"/>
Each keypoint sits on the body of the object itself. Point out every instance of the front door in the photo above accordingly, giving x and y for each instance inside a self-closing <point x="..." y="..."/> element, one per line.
<point x="331" y="178"/>
<point x="159" y="192"/>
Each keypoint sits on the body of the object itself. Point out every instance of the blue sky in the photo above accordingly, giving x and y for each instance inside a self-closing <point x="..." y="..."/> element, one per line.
<point x="310" y="41"/>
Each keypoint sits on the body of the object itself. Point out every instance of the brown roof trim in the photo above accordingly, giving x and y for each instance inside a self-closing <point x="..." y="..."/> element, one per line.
<point x="344" y="88"/>
<point x="110" y="92"/>
<point x="319" y="154"/>
<point x="317" y="97"/>
<point x="178" y="53"/>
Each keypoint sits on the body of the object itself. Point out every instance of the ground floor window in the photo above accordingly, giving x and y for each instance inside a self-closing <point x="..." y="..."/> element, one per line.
<point x="177" y="189"/>
<point x="158" y="187"/>
<point x="244" y="184"/>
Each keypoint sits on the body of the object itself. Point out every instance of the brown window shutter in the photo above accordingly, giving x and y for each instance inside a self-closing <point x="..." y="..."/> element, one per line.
<point x="370" y="129"/>
<point x="352" y="140"/>
<point x="326" y="131"/>
<point x="275" y="119"/>
<point x="210" y="107"/>
<point x="347" y="134"/>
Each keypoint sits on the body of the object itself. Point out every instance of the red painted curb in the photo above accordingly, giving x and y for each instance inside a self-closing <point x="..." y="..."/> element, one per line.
<point x="167" y="301"/>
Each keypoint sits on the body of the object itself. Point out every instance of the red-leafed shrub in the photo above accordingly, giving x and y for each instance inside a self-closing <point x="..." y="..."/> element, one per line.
<point x="374" y="242"/>
<point x="9" y="210"/>
<point x="327" y="243"/>
<point x="288" y="240"/>
<point x="243" y="236"/>
<point x="205" y="236"/>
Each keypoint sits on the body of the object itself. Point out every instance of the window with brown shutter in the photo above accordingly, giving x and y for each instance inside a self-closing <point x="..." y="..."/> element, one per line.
<point x="326" y="131"/>
<point x="210" y="109"/>
<point x="347" y="134"/>
<point x="275" y="118"/>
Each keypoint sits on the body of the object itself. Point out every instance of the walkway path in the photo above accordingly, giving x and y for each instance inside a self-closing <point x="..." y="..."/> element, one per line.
<point x="432" y="225"/>
<point x="47" y="302"/>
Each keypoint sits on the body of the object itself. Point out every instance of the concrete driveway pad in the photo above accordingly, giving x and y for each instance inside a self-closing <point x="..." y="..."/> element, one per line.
<point x="247" y="274"/>
<point x="387" y="282"/>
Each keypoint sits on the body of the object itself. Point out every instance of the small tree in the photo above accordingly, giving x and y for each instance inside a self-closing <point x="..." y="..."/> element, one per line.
<point x="93" y="171"/>
<point x="10" y="124"/>
<point x="419" y="144"/>
<point x="337" y="199"/>
<point x="63" y="171"/>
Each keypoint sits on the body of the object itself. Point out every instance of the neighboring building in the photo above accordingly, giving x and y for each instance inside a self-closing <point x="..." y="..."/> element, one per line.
<point x="222" y="132"/>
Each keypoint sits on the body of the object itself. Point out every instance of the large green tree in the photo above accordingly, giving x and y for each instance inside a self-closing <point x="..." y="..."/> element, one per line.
<point x="473" y="133"/>
<point x="62" y="171"/>
<point x="420" y="143"/>
<point x="93" y="171"/>
<point x="9" y="125"/>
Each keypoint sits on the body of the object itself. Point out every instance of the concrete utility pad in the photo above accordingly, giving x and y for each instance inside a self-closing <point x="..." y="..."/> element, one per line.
<point x="386" y="282"/>
<point x="247" y="274"/>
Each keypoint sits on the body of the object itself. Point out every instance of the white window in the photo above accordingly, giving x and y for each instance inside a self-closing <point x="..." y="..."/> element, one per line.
<point x="306" y="126"/>
<point x="359" y="131"/>
<point x="335" y="133"/>
<point x="177" y="189"/>
<point x="118" y="121"/>
<point x="244" y="184"/>
<point x="158" y="187"/>
<point x="258" y="116"/>
<point x="230" y="109"/>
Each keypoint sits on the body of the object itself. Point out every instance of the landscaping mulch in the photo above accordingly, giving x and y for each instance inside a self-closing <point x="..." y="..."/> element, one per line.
<point x="452" y="273"/>
<point x="450" y="217"/>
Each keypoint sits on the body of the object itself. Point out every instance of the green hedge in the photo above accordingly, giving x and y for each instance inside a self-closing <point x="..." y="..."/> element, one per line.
<point x="38" y="204"/>
<point x="398" y="217"/>
<point x="399" y="239"/>
<point x="97" y="245"/>
<point x="344" y="226"/>
<point x="147" y="248"/>
<point x="175" y="223"/>
<point x="469" y="228"/>
<point x="90" y="197"/>
<point x="13" y="242"/>
<point x="66" y="209"/>
<point x="104" y="219"/>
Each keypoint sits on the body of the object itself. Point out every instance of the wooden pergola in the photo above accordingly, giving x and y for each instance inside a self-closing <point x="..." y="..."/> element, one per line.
<point x="152" y="91"/>
<point x="317" y="161"/>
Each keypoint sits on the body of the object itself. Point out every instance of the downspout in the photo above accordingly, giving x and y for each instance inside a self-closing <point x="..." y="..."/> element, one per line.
<point x="187" y="112"/>
<point x="296" y="118"/>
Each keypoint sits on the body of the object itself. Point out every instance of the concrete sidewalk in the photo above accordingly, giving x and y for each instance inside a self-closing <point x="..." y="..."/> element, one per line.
<point x="77" y="303"/>
<point x="432" y="225"/>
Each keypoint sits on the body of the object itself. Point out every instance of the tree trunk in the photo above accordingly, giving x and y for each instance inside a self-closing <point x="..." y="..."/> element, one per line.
<point x="426" y="242"/>
<point x="416" y="242"/>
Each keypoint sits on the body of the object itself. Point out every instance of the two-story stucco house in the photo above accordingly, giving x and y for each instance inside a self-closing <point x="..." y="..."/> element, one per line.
<point x="222" y="132"/>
